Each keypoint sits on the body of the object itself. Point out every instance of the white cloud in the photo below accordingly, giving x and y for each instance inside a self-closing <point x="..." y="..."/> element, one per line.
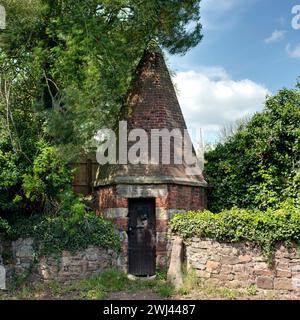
<point x="210" y="99"/>
<point x="277" y="35"/>
<point x="293" y="52"/>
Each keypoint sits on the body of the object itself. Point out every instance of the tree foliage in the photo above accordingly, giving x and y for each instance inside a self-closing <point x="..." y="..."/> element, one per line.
<point x="83" y="53"/>
<point x="65" y="67"/>
<point x="31" y="171"/>
<point x="259" y="166"/>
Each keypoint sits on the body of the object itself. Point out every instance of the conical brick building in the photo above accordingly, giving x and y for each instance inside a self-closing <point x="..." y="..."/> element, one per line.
<point x="141" y="197"/>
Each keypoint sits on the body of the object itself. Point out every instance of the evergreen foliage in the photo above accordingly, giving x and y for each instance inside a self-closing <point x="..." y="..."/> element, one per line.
<point x="259" y="166"/>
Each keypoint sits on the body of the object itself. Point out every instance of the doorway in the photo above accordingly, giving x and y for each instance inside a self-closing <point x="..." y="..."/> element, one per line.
<point x="142" y="237"/>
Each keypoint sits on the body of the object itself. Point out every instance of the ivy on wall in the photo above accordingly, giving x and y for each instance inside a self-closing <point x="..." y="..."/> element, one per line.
<point x="72" y="232"/>
<point x="262" y="228"/>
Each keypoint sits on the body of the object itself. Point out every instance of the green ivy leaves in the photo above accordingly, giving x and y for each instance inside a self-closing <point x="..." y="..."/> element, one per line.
<point x="74" y="231"/>
<point x="235" y="225"/>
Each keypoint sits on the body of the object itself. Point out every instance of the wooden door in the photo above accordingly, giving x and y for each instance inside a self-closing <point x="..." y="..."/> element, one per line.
<point x="142" y="237"/>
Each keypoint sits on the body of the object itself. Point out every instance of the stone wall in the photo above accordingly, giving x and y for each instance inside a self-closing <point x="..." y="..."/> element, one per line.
<point x="69" y="266"/>
<point x="83" y="264"/>
<point x="239" y="265"/>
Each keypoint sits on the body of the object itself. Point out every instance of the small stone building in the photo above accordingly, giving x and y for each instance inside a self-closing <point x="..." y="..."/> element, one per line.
<point x="141" y="198"/>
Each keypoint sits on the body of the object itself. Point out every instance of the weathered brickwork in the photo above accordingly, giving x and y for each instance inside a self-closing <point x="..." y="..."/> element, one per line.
<point x="169" y="199"/>
<point x="166" y="196"/>
<point x="151" y="104"/>
<point x="107" y="198"/>
<point x="239" y="265"/>
<point x="186" y="197"/>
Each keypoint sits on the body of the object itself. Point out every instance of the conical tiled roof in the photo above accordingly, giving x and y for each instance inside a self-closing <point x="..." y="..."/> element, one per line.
<point x="151" y="104"/>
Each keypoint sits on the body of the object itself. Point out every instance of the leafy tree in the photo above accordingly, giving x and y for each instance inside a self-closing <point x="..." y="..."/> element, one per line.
<point x="65" y="68"/>
<point x="259" y="166"/>
<point x="84" y="53"/>
<point x="231" y="128"/>
<point x="23" y="146"/>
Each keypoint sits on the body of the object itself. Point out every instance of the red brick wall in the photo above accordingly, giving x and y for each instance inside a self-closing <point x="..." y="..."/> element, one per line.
<point x="179" y="197"/>
<point x="107" y="198"/>
<point x="186" y="198"/>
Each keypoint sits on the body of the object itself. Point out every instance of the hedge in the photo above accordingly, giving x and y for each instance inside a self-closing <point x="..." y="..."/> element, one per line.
<point x="73" y="232"/>
<point x="236" y="225"/>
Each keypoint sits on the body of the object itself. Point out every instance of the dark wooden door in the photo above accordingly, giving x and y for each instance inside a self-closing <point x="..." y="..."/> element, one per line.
<point x="142" y="237"/>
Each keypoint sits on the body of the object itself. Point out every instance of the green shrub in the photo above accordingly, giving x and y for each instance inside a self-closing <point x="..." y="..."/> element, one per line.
<point x="74" y="231"/>
<point x="49" y="176"/>
<point x="165" y="290"/>
<point x="258" y="166"/>
<point x="235" y="225"/>
<point x="4" y="226"/>
<point x="27" y="187"/>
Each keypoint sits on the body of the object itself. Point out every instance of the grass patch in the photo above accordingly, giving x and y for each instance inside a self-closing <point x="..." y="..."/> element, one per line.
<point x="164" y="290"/>
<point x="112" y="280"/>
<point x="195" y="288"/>
<point x="252" y="290"/>
<point x="94" y="288"/>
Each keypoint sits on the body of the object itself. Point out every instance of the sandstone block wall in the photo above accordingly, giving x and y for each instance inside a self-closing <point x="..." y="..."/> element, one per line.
<point x="67" y="266"/>
<point x="239" y="265"/>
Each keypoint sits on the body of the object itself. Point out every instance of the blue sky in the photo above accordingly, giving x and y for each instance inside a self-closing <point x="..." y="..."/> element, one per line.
<point x="249" y="50"/>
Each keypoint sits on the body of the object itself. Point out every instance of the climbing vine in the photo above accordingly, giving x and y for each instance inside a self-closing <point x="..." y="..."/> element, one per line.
<point x="262" y="228"/>
<point x="72" y="232"/>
